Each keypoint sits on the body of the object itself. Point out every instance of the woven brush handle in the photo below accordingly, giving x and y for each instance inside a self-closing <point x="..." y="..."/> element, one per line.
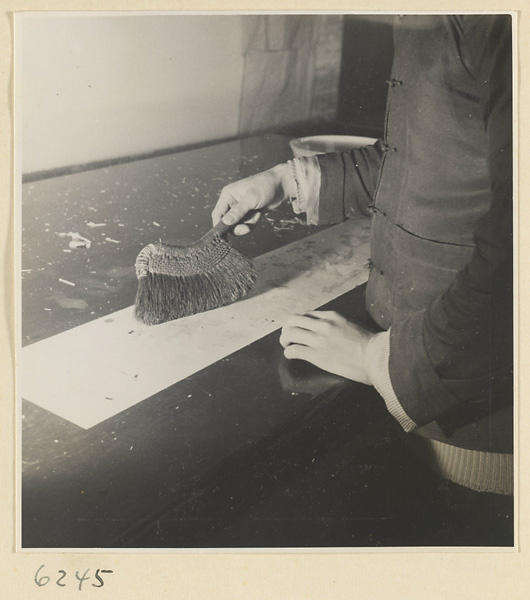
<point x="218" y="231"/>
<point x="221" y="228"/>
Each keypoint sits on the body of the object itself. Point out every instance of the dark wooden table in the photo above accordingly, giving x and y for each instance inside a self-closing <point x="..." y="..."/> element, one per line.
<point x="253" y="451"/>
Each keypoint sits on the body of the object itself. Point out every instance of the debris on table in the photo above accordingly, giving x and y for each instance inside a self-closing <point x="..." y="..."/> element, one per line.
<point x="76" y="303"/>
<point x="285" y="224"/>
<point x="292" y="222"/>
<point x="77" y="241"/>
<point x="92" y="225"/>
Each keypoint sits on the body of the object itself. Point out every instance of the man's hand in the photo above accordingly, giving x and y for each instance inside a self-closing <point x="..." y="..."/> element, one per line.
<point x="329" y="341"/>
<point x="243" y="201"/>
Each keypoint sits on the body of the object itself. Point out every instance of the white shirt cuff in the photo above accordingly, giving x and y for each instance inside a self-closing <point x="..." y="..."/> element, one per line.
<point x="306" y="173"/>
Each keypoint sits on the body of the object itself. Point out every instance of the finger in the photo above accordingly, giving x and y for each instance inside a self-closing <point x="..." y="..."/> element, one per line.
<point x="247" y="225"/>
<point x="327" y="315"/>
<point x="237" y="213"/>
<point x="253" y="217"/>
<point x="307" y="322"/>
<point x="296" y="351"/>
<point x="333" y="318"/>
<point x="241" y="230"/>
<point x="223" y="205"/>
<point x="295" y="335"/>
<point x="217" y="215"/>
<point x="229" y="208"/>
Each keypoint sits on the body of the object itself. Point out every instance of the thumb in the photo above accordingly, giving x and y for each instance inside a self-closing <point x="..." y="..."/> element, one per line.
<point x="235" y="214"/>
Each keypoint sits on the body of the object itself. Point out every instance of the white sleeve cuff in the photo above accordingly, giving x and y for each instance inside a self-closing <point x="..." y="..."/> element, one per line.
<point x="377" y="355"/>
<point x="306" y="173"/>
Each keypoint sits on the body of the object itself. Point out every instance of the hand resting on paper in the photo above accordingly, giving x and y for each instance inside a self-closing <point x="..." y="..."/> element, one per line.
<point x="329" y="341"/>
<point x="243" y="201"/>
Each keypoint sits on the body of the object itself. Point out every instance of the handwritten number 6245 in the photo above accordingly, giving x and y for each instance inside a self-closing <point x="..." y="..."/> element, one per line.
<point x="45" y="579"/>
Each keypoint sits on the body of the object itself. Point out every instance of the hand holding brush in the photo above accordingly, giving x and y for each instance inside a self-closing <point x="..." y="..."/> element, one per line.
<point x="241" y="203"/>
<point x="178" y="281"/>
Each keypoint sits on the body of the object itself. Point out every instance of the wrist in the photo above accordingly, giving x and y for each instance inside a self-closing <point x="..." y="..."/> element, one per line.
<point x="374" y="356"/>
<point x="366" y="357"/>
<point x="286" y="184"/>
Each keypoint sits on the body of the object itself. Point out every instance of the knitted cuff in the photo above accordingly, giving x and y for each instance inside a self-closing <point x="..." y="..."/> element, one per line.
<point x="377" y="355"/>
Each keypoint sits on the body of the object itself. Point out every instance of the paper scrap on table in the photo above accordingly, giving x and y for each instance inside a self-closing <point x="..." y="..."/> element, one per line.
<point x="95" y="371"/>
<point x="77" y="241"/>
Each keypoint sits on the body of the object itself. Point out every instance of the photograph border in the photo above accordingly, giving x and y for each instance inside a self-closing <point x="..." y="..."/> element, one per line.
<point x="304" y="573"/>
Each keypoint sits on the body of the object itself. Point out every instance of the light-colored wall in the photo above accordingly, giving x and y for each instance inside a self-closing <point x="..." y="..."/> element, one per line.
<point x="95" y="88"/>
<point x="92" y="88"/>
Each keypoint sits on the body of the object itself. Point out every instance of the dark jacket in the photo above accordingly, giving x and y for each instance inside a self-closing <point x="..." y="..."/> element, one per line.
<point x="439" y="188"/>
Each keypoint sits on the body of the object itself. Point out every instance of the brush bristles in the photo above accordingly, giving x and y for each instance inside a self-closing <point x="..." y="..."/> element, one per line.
<point x="162" y="298"/>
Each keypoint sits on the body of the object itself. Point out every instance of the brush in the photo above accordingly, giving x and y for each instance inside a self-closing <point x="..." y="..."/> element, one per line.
<point x="178" y="281"/>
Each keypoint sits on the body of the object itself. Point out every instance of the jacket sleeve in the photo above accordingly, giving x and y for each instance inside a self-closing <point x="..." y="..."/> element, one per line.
<point x="459" y="349"/>
<point x="348" y="183"/>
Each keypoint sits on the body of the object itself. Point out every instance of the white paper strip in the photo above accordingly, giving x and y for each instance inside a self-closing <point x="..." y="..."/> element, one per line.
<point x="92" y="372"/>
